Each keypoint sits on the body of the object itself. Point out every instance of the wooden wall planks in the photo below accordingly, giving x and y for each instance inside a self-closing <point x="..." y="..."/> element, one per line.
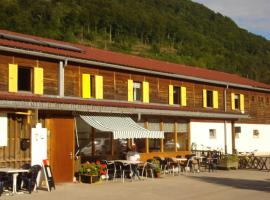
<point x="12" y="155"/>
<point x="115" y="86"/>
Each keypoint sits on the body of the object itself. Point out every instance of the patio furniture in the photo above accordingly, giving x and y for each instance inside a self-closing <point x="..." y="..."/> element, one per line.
<point x="128" y="168"/>
<point x="5" y="182"/>
<point x="147" y="168"/>
<point x="162" y="163"/>
<point x="15" y="173"/>
<point x="171" y="166"/>
<point x="29" y="180"/>
<point x="110" y="169"/>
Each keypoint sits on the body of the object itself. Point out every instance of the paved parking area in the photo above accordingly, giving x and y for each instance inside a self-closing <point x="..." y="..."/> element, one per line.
<point x="234" y="184"/>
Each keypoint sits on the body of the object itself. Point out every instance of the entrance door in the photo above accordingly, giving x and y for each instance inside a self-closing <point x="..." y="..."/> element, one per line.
<point x="61" y="144"/>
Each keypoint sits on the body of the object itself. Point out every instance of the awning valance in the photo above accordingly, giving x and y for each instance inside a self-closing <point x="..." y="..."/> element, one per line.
<point x="122" y="127"/>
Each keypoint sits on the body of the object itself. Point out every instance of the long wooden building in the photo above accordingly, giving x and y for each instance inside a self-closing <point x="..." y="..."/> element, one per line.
<point x="95" y="103"/>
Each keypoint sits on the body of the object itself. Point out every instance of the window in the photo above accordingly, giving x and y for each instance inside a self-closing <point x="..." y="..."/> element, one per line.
<point x="209" y="98"/>
<point x="182" y="141"/>
<point x="24" y="79"/>
<point x="237" y="101"/>
<point x="92" y="86"/>
<point x="212" y="134"/>
<point x="140" y="145"/>
<point x="237" y="129"/>
<point x="154" y="145"/>
<point x="169" y="142"/>
<point x="176" y="95"/>
<point x="256" y="134"/>
<point x="137" y="91"/>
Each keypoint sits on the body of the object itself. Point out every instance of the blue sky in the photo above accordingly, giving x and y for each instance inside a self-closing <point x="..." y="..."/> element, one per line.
<point x="252" y="15"/>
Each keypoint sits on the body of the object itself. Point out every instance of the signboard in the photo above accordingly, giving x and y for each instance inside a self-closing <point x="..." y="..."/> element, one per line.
<point x="38" y="145"/>
<point x="3" y="130"/>
<point x="48" y="175"/>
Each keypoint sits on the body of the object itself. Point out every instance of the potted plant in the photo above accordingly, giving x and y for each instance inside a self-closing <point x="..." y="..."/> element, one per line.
<point x="228" y="162"/>
<point x="157" y="171"/>
<point x="92" y="171"/>
<point x="156" y="168"/>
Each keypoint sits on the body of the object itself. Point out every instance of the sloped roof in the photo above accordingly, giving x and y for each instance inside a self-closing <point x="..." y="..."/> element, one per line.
<point x="94" y="54"/>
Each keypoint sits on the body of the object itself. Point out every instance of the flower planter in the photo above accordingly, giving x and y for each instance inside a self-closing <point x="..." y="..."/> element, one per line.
<point x="157" y="174"/>
<point x="228" y="162"/>
<point x="228" y="165"/>
<point x="87" y="178"/>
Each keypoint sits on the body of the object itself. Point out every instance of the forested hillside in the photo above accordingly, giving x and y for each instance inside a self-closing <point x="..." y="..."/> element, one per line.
<point x="175" y="30"/>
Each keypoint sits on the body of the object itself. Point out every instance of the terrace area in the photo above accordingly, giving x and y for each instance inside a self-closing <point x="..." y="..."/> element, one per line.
<point x="220" y="184"/>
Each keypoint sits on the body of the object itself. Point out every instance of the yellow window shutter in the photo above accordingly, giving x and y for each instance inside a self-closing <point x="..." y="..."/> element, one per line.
<point x="130" y="90"/>
<point x="183" y="96"/>
<point x="86" y="87"/>
<point x="99" y="87"/>
<point x="38" y="80"/>
<point x="215" y="99"/>
<point x="145" y="92"/>
<point x="170" y="94"/>
<point x="12" y="78"/>
<point x="242" y="103"/>
<point x="204" y="98"/>
<point x="233" y="101"/>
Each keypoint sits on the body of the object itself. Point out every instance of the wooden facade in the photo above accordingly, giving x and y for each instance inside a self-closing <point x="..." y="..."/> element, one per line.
<point x="115" y="90"/>
<point x="115" y="87"/>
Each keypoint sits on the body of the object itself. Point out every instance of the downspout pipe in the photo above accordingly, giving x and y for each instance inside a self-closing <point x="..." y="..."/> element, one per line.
<point x="225" y="122"/>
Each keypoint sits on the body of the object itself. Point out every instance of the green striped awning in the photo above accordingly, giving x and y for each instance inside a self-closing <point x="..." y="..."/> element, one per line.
<point x="122" y="127"/>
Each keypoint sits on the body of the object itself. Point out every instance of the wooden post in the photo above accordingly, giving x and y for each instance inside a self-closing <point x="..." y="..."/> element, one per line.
<point x="233" y="137"/>
<point x="129" y="143"/>
<point x="188" y="137"/>
<point x="146" y="139"/>
<point x="93" y="140"/>
<point x="162" y="140"/>
<point x="113" y="145"/>
<point x="175" y="136"/>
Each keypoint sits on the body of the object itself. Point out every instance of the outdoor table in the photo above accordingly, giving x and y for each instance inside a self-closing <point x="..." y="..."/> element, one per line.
<point x="131" y="163"/>
<point x="178" y="160"/>
<point x="15" y="173"/>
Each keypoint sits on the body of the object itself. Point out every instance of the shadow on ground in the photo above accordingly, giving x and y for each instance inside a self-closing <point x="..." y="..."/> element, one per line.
<point x="259" y="185"/>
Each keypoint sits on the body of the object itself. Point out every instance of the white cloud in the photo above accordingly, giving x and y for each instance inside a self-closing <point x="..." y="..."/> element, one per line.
<point x="253" y="15"/>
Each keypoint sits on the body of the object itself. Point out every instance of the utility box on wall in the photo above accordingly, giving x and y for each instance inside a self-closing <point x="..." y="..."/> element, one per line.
<point x="38" y="144"/>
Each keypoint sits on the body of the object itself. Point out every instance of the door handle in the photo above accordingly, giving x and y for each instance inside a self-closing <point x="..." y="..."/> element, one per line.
<point x="71" y="155"/>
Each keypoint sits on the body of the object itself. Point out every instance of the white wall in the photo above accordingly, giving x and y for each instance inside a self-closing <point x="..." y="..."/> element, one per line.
<point x="199" y="132"/>
<point x="247" y="143"/>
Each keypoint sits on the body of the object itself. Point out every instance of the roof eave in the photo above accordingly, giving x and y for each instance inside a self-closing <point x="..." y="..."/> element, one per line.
<point x="113" y="109"/>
